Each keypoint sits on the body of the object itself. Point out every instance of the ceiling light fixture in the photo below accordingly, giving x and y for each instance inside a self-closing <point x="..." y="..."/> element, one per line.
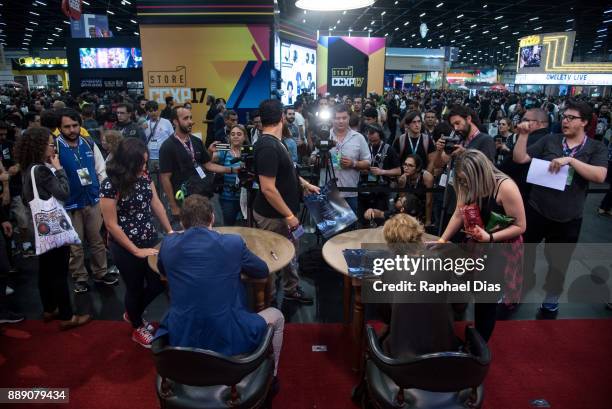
<point x="439" y="24"/>
<point x="406" y="23"/>
<point x="336" y="5"/>
<point x="569" y="21"/>
<point x="439" y="5"/>
<point x="534" y="18"/>
<point x="537" y="28"/>
<point x="503" y="27"/>
<point x="422" y="14"/>
<point x="460" y="15"/>
<point x="383" y="13"/>
<point x="110" y="12"/>
<point x="485" y="32"/>
<point x="498" y="17"/>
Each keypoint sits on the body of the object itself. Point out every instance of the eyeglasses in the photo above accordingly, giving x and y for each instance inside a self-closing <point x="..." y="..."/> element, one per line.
<point x="569" y="117"/>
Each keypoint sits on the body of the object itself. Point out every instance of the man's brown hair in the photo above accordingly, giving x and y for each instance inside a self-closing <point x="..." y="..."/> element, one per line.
<point x="197" y="211"/>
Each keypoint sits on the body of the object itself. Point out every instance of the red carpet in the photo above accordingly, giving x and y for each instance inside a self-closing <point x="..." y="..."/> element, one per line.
<point x="566" y="362"/>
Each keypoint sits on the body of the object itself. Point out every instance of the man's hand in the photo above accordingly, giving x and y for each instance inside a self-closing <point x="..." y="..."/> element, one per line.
<point x="8" y="229"/>
<point x="292" y="221"/>
<point x="213" y="147"/>
<point x="556" y="164"/>
<point x="522" y="128"/>
<point x="377" y="171"/>
<point x="440" y="144"/>
<point x="369" y="214"/>
<point x="457" y="151"/>
<point x="309" y="189"/>
<point x="13" y="170"/>
<point x="347" y="163"/>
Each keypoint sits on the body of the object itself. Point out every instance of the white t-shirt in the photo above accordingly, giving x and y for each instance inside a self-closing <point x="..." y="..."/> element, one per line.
<point x="299" y="121"/>
<point x="163" y="130"/>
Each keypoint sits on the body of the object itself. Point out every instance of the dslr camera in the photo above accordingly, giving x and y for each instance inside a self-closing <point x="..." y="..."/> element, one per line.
<point x="451" y="142"/>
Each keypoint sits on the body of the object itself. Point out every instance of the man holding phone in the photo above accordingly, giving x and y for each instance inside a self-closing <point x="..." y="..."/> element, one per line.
<point x="278" y="200"/>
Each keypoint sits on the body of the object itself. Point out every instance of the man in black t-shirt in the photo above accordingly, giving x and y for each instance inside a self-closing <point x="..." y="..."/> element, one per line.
<point x="556" y="215"/>
<point x="278" y="200"/>
<point x="384" y="164"/>
<point x="183" y="161"/>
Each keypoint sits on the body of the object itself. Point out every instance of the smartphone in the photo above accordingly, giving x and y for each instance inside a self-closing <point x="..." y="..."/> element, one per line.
<point x="498" y="140"/>
<point x="223" y="146"/>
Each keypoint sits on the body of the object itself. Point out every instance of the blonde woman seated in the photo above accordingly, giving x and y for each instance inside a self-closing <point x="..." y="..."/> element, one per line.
<point x="415" y="329"/>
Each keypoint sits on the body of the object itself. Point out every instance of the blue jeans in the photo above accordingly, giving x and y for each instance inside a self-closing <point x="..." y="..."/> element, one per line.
<point x="231" y="210"/>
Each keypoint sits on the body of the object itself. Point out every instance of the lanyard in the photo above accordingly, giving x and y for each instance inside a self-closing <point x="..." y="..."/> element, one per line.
<point x="152" y="135"/>
<point x="571" y="152"/>
<point x="187" y="146"/>
<point x="413" y="149"/>
<point x="344" y="141"/>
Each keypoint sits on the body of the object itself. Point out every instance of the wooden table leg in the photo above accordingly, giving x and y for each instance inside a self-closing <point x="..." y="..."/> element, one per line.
<point x="358" y="322"/>
<point x="346" y="300"/>
<point x="260" y="296"/>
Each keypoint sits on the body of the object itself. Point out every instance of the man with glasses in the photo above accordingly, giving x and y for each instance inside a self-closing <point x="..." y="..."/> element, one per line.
<point x="125" y="125"/>
<point x="157" y="130"/>
<point x="556" y="215"/>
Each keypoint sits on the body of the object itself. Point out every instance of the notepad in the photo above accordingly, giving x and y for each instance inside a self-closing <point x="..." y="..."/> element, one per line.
<point x="540" y="175"/>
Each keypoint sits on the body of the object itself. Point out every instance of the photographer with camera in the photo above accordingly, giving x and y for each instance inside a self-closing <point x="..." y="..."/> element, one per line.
<point x="278" y="200"/>
<point x="349" y="155"/>
<point x="385" y="164"/>
<point x="230" y="157"/>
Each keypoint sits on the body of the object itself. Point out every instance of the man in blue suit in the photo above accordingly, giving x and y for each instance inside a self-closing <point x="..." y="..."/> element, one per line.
<point x="207" y="299"/>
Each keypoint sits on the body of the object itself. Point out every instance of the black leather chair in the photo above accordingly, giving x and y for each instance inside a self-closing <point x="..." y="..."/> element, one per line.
<point x="443" y="380"/>
<point x="193" y="378"/>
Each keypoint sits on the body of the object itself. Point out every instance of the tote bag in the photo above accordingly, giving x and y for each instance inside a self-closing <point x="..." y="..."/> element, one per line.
<point x="52" y="225"/>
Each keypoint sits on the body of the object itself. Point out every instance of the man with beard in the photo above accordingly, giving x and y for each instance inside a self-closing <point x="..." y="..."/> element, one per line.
<point x="182" y="161"/>
<point x="293" y="129"/>
<point x="125" y="125"/>
<point x="463" y="120"/>
<point x="556" y="215"/>
<point x="358" y="105"/>
<point x="78" y="158"/>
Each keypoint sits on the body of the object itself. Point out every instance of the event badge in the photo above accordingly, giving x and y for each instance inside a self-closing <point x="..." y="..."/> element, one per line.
<point x="443" y="180"/>
<point x="570" y="176"/>
<point x="84" y="176"/>
<point x="201" y="173"/>
<point x="372" y="177"/>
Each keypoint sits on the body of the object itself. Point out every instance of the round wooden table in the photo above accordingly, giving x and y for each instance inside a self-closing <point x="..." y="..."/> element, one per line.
<point x="275" y="250"/>
<point x="332" y="254"/>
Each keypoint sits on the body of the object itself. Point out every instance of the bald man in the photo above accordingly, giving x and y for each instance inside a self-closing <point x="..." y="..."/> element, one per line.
<point x="537" y="120"/>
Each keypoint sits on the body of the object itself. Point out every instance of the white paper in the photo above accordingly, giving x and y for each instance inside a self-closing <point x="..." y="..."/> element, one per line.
<point x="540" y="175"/>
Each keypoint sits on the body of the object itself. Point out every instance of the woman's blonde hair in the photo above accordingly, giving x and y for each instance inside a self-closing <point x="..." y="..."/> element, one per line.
<point x="113" y="138"/>
<point x="403" y="228"/>
<point x="480" y="176"/>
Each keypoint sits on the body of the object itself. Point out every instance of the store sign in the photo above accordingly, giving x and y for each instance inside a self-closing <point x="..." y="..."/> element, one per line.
<point x="564" y="79"/>
<point x="529" y="41"/>
<point x="39" y="63"/>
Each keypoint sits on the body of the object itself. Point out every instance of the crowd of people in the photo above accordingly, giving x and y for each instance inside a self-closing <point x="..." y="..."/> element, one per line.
<point x="127" y="172"/>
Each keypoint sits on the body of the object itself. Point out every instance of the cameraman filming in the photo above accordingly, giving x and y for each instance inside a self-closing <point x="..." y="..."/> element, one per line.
<point x="278" y="200"/>
<point x="349" y="155"/>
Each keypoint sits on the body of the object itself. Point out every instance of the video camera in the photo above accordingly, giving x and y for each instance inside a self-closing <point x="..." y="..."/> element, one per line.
<point x="450" y="142"/>
<point x="246" y="173"/>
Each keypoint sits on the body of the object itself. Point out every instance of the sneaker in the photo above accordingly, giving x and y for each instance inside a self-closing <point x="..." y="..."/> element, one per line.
<point x="298" y="296"/>
<point x="9" y="290"/>
<point x="108" y="279"/>
<point x="151" y="326"/>
<point x="81" y="287"/>
<point x="113" y="270"/>
<point x="10" y="317"/>
<point x="142" y="336"/>
<point x="548" y="311"/>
